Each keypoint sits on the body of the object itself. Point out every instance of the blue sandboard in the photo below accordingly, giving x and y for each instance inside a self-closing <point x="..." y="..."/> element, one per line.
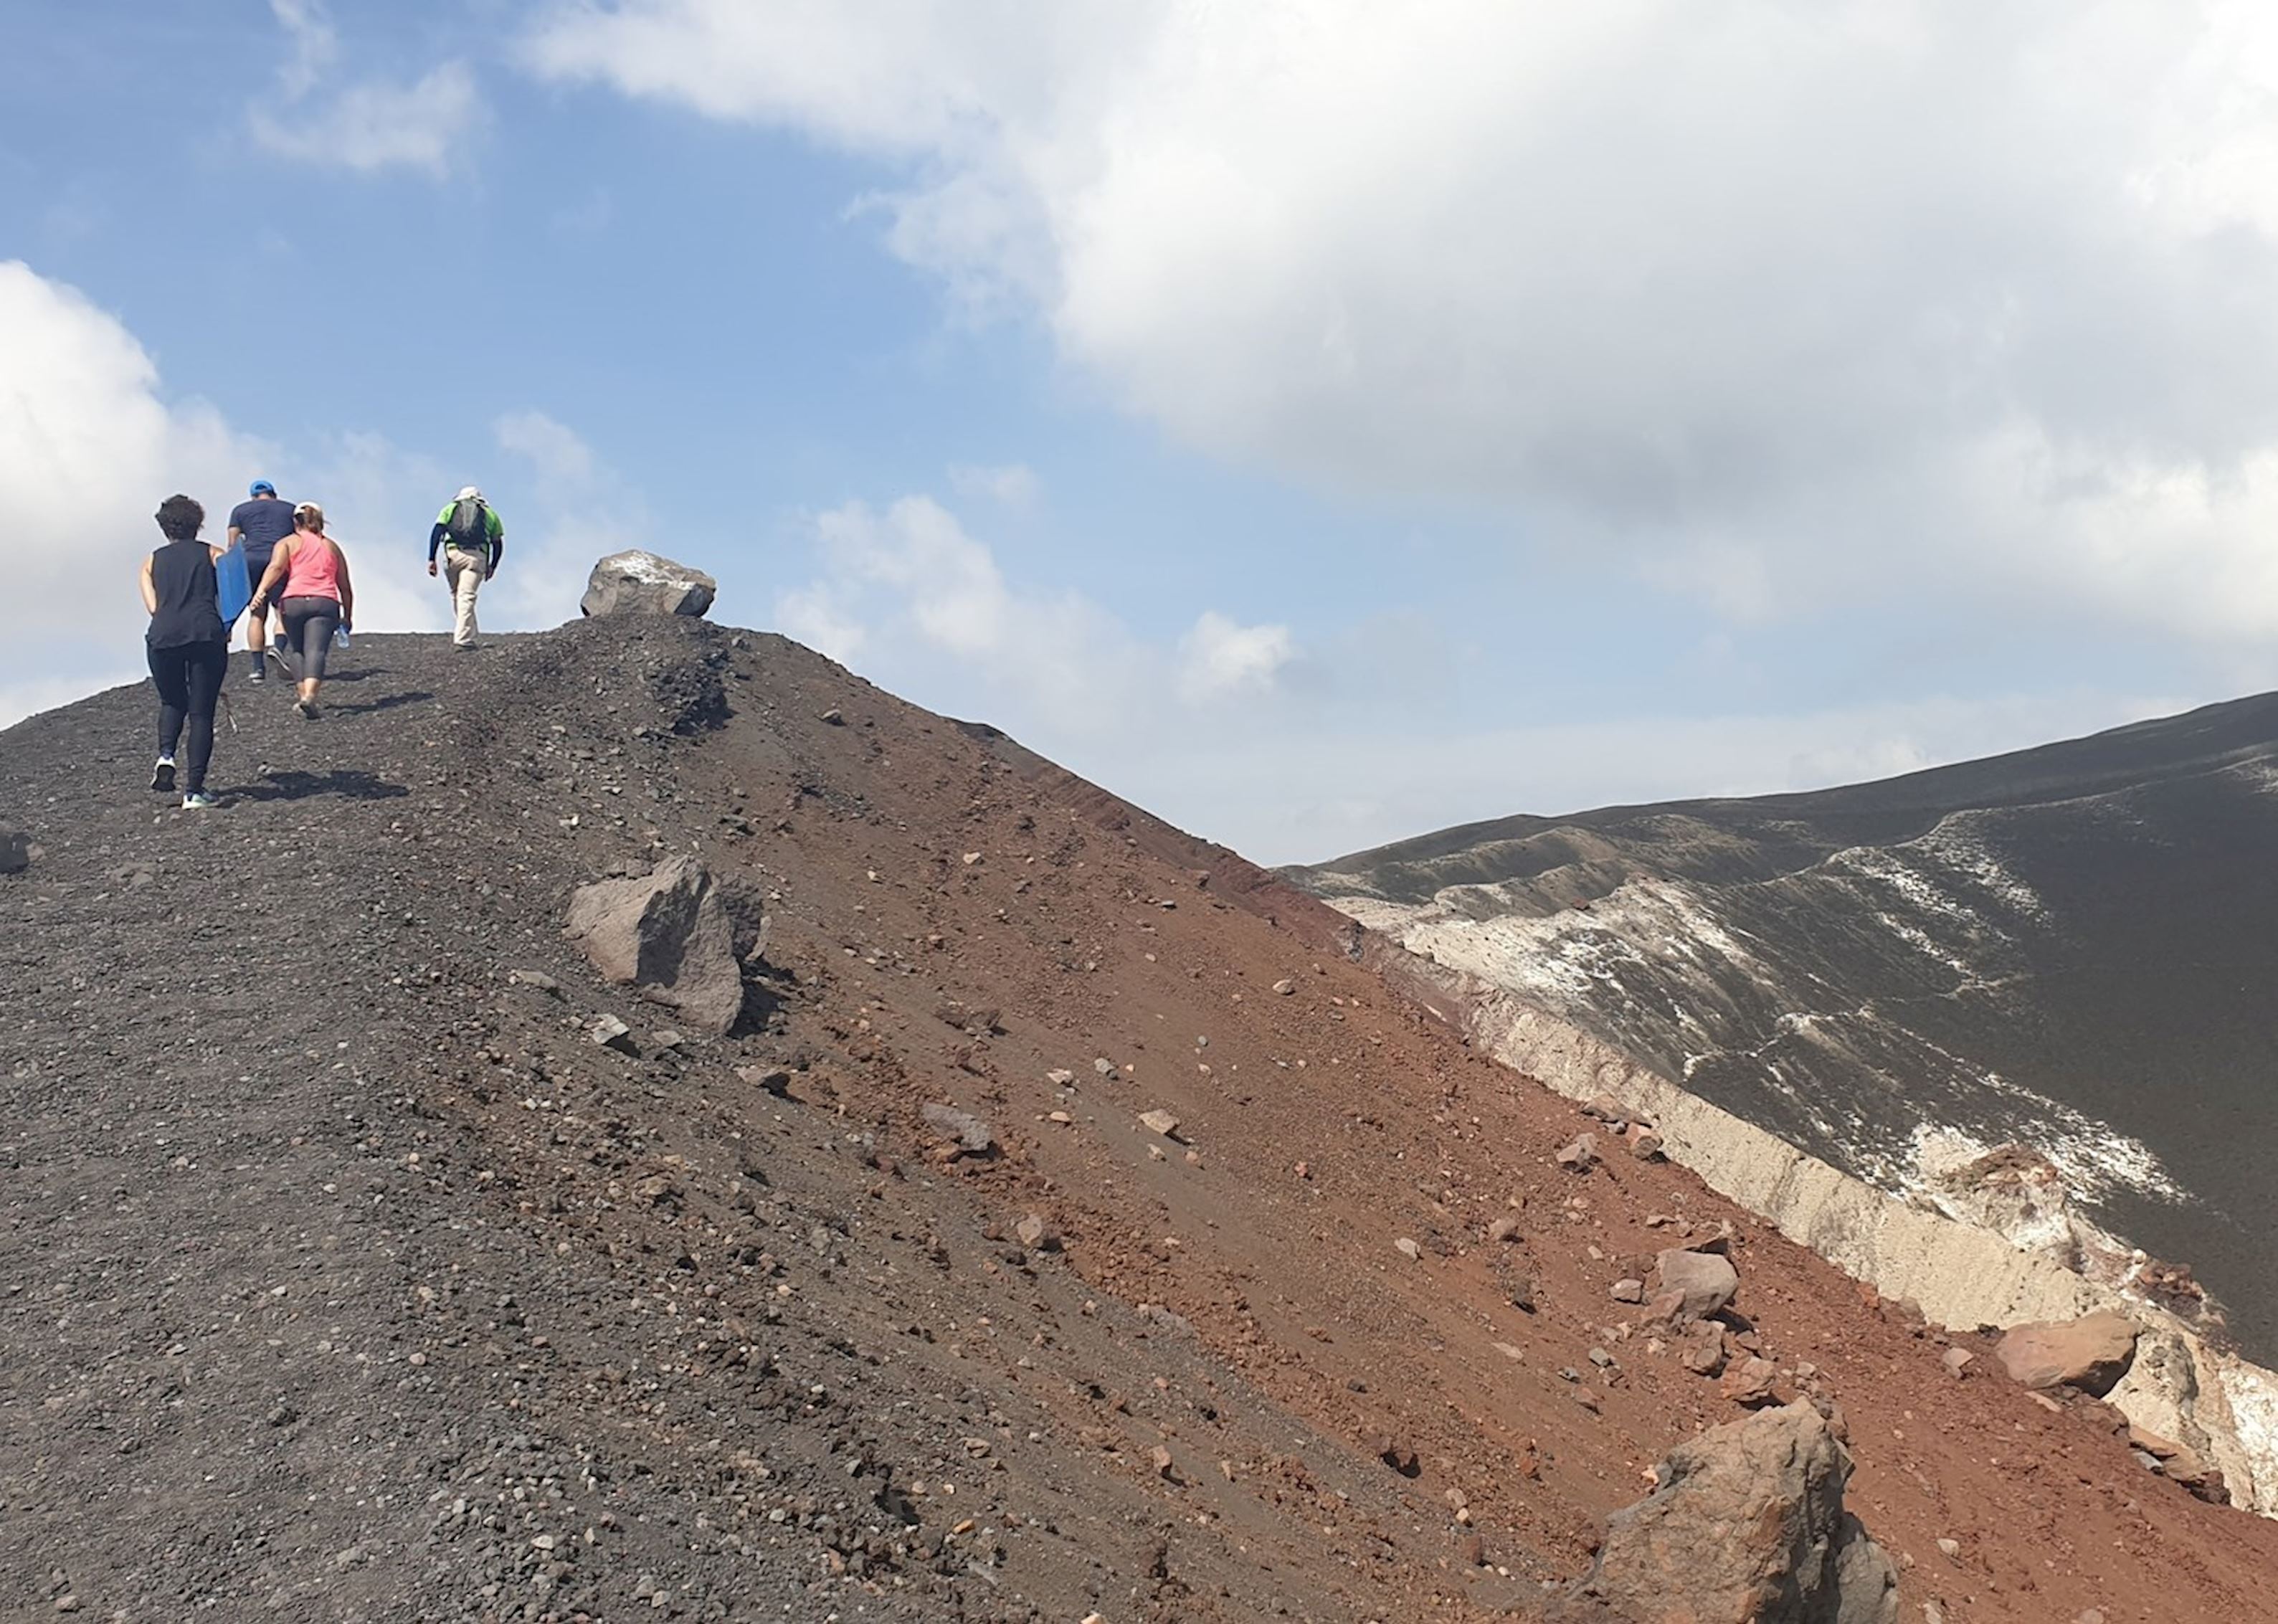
<point x="235" y="588"/>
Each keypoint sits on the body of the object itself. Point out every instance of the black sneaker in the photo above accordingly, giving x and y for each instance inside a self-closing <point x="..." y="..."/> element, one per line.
<point x="161" y="776"/>
<point x="307" y="708"/>
<point x="260" y="672"/>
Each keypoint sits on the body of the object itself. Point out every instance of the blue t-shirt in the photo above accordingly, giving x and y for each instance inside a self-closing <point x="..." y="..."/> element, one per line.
<point x="264" y="520"/>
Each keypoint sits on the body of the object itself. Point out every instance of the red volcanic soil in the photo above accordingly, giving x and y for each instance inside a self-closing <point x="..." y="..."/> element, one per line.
<point x="353" y="1280"/>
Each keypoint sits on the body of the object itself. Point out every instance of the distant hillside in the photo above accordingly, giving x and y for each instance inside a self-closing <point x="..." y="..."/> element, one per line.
<point x="2074" y="947"/>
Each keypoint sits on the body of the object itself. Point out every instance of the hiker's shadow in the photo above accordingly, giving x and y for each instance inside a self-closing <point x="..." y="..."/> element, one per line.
<point x="386" y="702"/>
<point x="350" y="784"/>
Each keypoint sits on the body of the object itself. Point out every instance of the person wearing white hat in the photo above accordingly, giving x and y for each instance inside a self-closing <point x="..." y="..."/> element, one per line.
<point x="472" y="540"/>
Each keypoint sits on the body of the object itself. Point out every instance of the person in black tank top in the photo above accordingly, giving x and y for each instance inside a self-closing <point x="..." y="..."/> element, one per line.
<point x="188" y="645"/>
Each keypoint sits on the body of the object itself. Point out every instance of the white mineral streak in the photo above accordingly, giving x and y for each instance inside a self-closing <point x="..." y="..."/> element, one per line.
<point x="1961" y="1274"/>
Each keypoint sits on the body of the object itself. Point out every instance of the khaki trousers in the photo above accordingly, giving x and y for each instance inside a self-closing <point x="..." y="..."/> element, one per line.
<point x="464" y="571"/>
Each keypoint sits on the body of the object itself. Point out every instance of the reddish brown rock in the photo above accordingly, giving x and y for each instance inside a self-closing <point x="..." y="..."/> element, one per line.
<point x="2090" y="1353"/>
<point x="1749" y="1383"/>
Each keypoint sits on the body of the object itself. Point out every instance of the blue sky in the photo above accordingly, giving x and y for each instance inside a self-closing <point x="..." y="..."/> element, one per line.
<point x="1317" y="422"/>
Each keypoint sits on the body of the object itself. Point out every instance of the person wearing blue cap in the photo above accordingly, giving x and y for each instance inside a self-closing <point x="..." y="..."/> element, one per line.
<point x="260" y="521"/>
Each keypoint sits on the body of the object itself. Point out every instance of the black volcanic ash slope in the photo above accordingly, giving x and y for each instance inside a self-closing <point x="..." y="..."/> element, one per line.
<point x="2075" y="946"/>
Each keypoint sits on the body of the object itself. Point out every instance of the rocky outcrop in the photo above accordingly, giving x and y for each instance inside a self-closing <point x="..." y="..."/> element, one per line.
<point x="2090" y="1353"/>
<point x="638" y="582"/>
<point x="1747" y="1528"/>
<point x="2183" y="1385"/>
<point x="667" y="936"/>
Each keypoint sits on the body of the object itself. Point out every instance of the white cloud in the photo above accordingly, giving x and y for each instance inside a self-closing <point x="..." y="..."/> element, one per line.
<point x="1218" y="658"/>
<point x="927" y="603"/>
<point x="910" y="577"/>
<point x="1783" y="306"/>
<point x="580" y="511"/>
<point x="555" y="452"/>
<point x="364" y="126"/>
<point x="1013" y="484"/>
<point x="1306" y="794"/>
<point x="90" y="444"/>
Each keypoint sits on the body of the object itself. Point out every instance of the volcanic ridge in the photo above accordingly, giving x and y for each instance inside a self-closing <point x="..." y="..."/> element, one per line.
<point x="1050" y="1216"/>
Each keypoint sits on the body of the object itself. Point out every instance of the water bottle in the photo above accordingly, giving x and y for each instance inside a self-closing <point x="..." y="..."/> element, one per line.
<point x="339" y="636"/>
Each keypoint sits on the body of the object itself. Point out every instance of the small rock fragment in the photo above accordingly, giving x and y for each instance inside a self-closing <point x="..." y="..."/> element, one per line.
<point x="1409" y="1249"/>
<point x="611" y="1033"/>
<point x="1285" y="987"/>
<point x="1161" y="1121"/>
<point x="1581" y="1154"/>
<point x="775" y="1079"/>
<point x="968" y="1133"/>
<point x="1396" y="1454"/>
<point x="1749" y="1383"/>
<point x="1629" y="1291"/>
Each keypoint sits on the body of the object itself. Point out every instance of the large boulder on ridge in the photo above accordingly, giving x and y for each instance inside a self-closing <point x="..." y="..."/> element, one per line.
<point x="638" y="582"/>
<point x="1747" y="1528"/>
<point x="667" y="936"/>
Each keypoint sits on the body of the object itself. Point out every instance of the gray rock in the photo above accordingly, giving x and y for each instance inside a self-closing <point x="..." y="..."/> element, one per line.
<point x="1748" y="1523"/>
<point x="638" y="582"/>
<point x="1707" y="1280"/>
<point x="968" y="1133"/>
<point x="15" y="852"/>
<point x="667" y="936"/>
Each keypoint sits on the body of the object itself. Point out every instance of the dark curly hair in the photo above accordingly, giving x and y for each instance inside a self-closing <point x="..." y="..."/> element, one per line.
<point x="180" y="517"/>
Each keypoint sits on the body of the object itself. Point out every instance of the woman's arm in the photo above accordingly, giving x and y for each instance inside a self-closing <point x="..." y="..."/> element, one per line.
<point x="347" y="587"/>
<point x="278" y="562"/>
<point x="149" y="588"/>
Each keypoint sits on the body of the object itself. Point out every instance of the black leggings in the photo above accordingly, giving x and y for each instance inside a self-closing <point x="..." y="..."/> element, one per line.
<point x="309" y="623"/>
<point x="188" y="677"/>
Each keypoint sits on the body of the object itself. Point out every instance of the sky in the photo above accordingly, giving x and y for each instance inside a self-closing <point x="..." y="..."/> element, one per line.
<point x="1317" y="421"/>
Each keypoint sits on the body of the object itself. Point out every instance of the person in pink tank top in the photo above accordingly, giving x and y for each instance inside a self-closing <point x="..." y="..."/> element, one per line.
<point x="308" y="576"/>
